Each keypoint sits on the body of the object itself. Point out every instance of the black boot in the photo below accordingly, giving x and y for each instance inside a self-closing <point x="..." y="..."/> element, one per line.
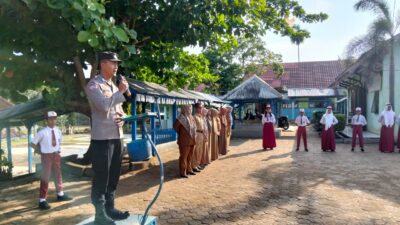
<point x="115" y="213"/>
<point x="101" y="217"/>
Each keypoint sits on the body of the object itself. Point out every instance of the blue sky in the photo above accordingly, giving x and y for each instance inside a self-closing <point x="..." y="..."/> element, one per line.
<point x="329" y="38"/>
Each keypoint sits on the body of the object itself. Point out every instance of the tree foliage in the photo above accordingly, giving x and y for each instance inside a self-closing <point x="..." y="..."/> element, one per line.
<point x="379" y="39"/>
<point x="250" y="57"/>
<point x="47" y="44"/>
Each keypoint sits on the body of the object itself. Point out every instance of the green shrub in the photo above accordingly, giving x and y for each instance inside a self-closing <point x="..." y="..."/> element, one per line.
<point x="342" y="122"/>
<point x="317" y="115"/>
<point x="5" y="167"/>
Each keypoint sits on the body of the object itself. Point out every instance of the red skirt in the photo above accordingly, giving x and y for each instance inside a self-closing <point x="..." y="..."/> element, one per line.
<point x="269" y="136"/>
<point x="328" y="139"/>
<point x="386" y="141"/>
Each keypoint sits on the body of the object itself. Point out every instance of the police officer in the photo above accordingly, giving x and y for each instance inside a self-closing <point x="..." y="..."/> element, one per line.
<point x="106" y="100"/>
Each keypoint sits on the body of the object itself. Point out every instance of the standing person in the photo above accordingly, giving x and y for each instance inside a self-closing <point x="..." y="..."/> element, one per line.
<point x="387" y="119"/>
<point x="302" y="122"/>
<point x="328" y="130"/>
<point x="223" y="138"/>
<point x="214" y="134"/>
<point x="229" y="119"/>
<point x="49" y="140"/>
<point x="268" y="121"/>
<point x="205" y="159"/>
<point x="198" y="148"/>
<point x="357" y="123"/>
<point x="185" y="126"/>
<point x="105" y="100"/>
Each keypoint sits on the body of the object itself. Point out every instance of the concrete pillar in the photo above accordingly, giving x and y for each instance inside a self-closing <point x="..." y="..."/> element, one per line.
<point x="8" y="130"/>
<point x="134" y="123"/>
<point x="30" y="159"/>
<point x="240" y="112"/>
<point x="153" y="125"/>
<point x="174" y="116"/>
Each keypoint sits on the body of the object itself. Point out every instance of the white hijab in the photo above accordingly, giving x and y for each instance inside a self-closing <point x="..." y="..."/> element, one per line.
<point x="329" y="119"/>
<point x="388" y="117"/>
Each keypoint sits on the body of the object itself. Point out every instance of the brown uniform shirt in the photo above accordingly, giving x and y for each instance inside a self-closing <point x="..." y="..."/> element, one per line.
<point x="184" y="138"/>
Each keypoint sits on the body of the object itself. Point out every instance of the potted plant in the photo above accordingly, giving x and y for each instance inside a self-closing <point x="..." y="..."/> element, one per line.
<point x="5" y="167"/>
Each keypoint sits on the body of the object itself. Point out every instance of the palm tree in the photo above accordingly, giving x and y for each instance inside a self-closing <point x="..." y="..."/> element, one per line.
<point x="298" y="38"/>
<point x="376" y="40"/>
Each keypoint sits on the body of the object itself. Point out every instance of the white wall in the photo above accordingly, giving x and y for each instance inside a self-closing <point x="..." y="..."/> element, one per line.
<point x="373" y="125"/>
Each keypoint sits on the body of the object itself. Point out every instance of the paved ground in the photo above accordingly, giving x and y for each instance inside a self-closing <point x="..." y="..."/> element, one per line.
<point x="249" y="186"/>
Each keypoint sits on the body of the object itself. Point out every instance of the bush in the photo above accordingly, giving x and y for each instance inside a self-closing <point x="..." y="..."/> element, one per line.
<point x="5" y="167"/>
<point x="317" y="115"/>
<point x="342" y="122"/>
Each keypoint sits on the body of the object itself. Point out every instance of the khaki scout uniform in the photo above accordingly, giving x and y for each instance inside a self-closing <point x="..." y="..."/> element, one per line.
<point x="106" y="139"/>
<point x="105" y="101"/>
<point x="199" y="147"/>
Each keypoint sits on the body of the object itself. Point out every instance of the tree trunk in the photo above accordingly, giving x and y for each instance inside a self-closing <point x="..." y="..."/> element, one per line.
<point x="391" y="75"/>
<point x="298" y="53"/>
<point x="79" y="72"/>
<point x="95" y="65"/>
<point x="80" y="107"/>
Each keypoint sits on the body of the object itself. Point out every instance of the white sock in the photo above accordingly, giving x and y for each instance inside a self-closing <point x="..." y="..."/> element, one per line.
<point x="42" y="199"/>
<point x="61" y="193"/>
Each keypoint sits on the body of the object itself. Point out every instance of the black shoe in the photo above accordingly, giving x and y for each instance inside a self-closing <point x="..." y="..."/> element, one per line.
<point x="200" y="168"/>
<point x="101" y="217"/>
<point x="116" y="214"/>
<point x="362" y="149"/>
<point x="297" y="149"/>
<point x="65" y="197"/>
<point x="184" y="176"/>
<point x="306" y="150"/>
<point x="352" y="149"/>
<point x="44" y="205"/>
<point x="272" y="149"/>
<point x="196" y="170"/>
<point x="265" y="149"/>
<point x="191" y="173"/>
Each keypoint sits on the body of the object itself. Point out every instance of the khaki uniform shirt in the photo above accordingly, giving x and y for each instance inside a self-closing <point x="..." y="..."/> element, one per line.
<point x="199" y="123"/>
<point x="105" y="101"/>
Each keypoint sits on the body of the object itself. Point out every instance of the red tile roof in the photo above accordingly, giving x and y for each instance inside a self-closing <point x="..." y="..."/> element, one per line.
<point x="306" y="74"/>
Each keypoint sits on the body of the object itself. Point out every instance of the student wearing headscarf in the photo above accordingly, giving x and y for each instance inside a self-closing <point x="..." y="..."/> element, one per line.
<point x="229" y="120"/>
<point x="185" y="126"/>
<point x="268" y="121"/>
<point x="205" y="158"/>
<point x="214" y="134"/>
<point x="199" y="147"/>
<point x="387" y="119"/>
<point x="357" y="123"/>
<point x="223" y="138"/>
<point x="328" y="130"/>
<point x="302" y="122"/>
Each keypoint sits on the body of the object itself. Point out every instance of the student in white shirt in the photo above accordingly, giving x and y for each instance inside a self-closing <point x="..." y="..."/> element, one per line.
<point x="387" y="119"/>
<point x="268" y="121"/>
<point x="328" y="131"/>
<point x="357" y="123"/>
<point x="398" y="133"/>
<point x="302" y="122"/>
<point x="49" y="140"/>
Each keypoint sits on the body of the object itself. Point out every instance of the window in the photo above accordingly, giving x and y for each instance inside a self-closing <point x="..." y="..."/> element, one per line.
<point x="375" y="103"/>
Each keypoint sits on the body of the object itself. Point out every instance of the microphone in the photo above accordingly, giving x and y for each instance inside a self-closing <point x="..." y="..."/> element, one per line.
<point x="119" y="79"/>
